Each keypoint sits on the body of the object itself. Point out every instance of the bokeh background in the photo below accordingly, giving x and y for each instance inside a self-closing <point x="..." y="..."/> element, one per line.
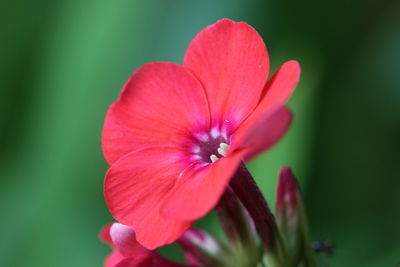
<point x="64" y="62"/>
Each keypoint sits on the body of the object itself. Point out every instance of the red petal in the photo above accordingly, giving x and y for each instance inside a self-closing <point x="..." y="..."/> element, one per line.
<point x="198" y="191"/>
<point x="269" y="121"/>
<point x="159" y="104"/>
<point x="262" y="131"/>
<point x="104" y="234"/>
<point x="280" y="86"/>
<point x="132" y="262"/>
<point x="159" y="261"/>
<point x="156" y="261"/>
<point x="113" y="259"/>
<point x="231" y="61"/>
<point x="124" y="239"/>
<point x="135" y="187"/>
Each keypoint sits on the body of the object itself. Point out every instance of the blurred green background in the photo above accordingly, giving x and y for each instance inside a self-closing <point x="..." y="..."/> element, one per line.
<point x="64" y="62"/>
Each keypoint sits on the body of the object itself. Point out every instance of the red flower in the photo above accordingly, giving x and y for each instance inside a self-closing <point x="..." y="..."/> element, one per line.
<point x="176" y="135"/>
<point x="127" y="251"/>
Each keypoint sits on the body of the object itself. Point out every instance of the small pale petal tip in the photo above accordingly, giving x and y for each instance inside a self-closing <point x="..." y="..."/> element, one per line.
<point x="121" y="233"/>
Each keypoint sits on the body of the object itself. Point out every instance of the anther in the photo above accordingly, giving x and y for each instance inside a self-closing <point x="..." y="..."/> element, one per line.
<point x="213" y="158"/>
<point x="223" y="148"/>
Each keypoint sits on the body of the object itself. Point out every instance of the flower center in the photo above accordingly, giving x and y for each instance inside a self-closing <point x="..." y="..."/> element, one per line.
<point x="209" y="147"/>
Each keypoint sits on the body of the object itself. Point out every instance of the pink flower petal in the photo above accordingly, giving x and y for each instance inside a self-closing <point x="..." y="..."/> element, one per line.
<point x="155" y="261"/>
<point x="160" y="103"/>
<point x="231" y="61"/>
<point x="260" y="134"/>
<point x="198" y="191"/>
<point x="113" y="259"/>
<point x="269" y="121"/>
<point x="135" y="187"/>
<point x="104" y="234"/>
<point x="132" y="262"/>
<point x="159" y="261"/>
<point x="124" y="239"/>
<point x="280" y="86"/>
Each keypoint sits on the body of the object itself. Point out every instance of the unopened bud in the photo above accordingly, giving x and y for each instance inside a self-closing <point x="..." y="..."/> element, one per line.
<point x="292" y="221"/>
<point x="200" y="248"/>
<point x="288" y="195"/>
<point x="239" y="229"/>
<point x="235" y="220"/>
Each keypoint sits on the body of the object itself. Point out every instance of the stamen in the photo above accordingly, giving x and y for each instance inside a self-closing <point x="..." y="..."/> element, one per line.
<point x="213" y="158"/>
<point x="223" y="148"/>
<point x="209" y="146"/>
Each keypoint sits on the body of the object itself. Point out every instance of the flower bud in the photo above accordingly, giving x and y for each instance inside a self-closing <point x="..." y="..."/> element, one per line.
<point x="200" y="248"/>
<point x="249" y="194"/>
<point x="292" y="221"/>
<point x="235" y="220"/>
<point x="288" y="195"/>
<point x="239" y="229"/>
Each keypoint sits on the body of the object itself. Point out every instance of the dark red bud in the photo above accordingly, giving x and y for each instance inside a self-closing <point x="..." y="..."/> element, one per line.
<point x="288" y="193"/>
